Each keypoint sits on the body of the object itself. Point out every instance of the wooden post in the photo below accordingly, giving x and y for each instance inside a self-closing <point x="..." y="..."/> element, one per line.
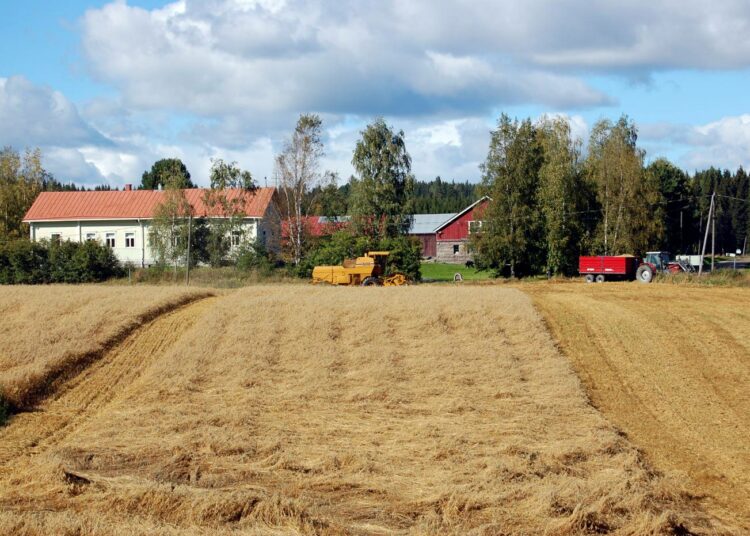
<point x="187" y="267"/>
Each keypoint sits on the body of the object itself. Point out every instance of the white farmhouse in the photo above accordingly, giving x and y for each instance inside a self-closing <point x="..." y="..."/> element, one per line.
<point x="121" y="219"/>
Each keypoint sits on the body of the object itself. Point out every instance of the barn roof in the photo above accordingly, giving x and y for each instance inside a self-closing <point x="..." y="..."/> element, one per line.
<point x="454" y="217"/>
<point x="131" y="204"/>
<point x="428" y="223"/>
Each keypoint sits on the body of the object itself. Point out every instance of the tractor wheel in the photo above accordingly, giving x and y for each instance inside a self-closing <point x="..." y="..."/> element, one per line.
<point x="600" y="278"/>
<point x="644" y="274"/>
<point x="589" y="278"/>
<point x="371" y="282"/>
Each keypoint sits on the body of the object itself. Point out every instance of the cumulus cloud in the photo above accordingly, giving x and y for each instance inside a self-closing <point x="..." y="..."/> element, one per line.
<point x="724" y="143"/>
<point x="259" y="58"/>
<point x="33" y="115"/>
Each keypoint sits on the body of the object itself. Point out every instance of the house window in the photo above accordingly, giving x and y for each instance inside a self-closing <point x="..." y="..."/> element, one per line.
<point x="110" y="239"/>
<point x="475" y="226"/>
<point x="90" y="237"/>
<point x="236" y="237"/>
<point x="56" y="238"/>
<point x="129" y="240"/>
<point x="456" y="249"/>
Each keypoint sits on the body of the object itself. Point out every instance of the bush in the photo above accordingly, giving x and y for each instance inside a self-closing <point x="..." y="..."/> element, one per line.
<point x="32" y="263"/>
<point x="254" y="258"/>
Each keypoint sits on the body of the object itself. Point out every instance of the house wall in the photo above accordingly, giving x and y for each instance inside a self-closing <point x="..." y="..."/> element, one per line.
<point x="140" y="254"/>
<point x="453" y="251"/>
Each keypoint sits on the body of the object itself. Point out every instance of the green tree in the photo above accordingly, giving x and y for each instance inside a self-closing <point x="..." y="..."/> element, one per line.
<point x="166" y="171"/>
<point x="381" y="203"/>
<point x="168" y="233"/>
<point x="510" y="233"/>
<point x="679" y="217"/>
<point x="563" y="195"/>
<point x="21" y="180"/>
<point x="225" y="204"/>
<point x="632" y="207"/>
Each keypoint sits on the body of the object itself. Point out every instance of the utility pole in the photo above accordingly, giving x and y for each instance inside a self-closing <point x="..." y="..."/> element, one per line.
<point x="713" y="240"/>
<point x="744" y="245"/>
<point x="705" y="237"/>
<point x="187" y="267"/>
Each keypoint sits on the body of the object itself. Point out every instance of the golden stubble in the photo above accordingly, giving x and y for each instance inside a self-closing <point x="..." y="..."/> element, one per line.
<point x="670" y="366"/>
<point x="316" y="410"/>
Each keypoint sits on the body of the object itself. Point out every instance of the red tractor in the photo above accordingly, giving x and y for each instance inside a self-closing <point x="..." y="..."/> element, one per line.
<point x="628" y="268"/>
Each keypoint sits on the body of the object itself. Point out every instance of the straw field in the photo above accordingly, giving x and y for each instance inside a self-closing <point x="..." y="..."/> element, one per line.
<point x="307" y="410"/>
<point x="670" y="366"/>
<point x="47" y="333"/>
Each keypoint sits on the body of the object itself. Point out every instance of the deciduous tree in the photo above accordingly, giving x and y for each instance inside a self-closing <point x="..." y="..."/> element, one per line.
<point x="381" y="203"/>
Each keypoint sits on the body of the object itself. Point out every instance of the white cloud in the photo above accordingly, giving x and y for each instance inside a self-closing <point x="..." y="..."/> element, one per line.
<point x="33" y="115"/>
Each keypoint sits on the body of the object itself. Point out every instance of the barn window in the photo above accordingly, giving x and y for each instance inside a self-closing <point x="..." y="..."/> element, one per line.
<point x="90" y="237"/>
<point x="236" y="237"/>
<point x="110" y="240"/>
<point x="475" y="226"/>
<point x="56" y="238"/>
<point x="129" y="240"/>
<point x="456" y="249"/>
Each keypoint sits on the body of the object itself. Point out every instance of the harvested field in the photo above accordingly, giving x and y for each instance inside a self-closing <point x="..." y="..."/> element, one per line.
<point x="48" y="333"/>
<point x="670" y="366"/>
<point x="308" y="410"/>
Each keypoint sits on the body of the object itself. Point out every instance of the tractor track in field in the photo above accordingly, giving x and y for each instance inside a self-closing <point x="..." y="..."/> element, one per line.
<point x="81" y="398"/>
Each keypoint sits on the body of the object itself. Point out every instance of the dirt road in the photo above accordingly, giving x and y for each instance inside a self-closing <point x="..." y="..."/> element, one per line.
<point x="669" y="365"/>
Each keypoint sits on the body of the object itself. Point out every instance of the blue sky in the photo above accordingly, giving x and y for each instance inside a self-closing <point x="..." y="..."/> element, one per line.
<point x="106" y="88"/>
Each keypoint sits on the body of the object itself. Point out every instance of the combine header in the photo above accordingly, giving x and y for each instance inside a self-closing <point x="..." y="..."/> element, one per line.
<point x="366" y="271"/>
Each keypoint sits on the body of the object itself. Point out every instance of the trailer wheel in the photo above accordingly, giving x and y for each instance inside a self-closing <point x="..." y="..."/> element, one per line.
<point x="589" y="278"/>
<point x="600" y="278"/>
<point x="644" y="274"/>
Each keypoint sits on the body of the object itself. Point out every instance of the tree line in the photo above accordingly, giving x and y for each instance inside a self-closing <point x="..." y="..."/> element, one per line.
<point x="552" y="203"/>
<point x="551" y="200"/>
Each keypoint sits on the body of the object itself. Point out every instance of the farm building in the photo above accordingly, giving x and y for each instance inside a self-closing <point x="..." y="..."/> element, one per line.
<point x="121" y="219"/>
<point x="445" y="237"/>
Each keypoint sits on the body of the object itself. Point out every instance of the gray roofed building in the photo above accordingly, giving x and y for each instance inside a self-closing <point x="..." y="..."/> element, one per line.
<point x="428" y="223"/>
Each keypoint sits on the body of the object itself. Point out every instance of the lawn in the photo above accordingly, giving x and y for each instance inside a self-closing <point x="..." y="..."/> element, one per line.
<point x="438" y="271"/>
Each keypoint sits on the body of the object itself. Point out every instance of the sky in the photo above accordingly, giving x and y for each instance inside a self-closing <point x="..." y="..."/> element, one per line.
<point x="107" y="88"/>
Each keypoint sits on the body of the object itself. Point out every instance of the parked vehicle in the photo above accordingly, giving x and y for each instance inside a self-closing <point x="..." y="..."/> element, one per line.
<point x="368" y="270"/>
<point x="602" y="268"/>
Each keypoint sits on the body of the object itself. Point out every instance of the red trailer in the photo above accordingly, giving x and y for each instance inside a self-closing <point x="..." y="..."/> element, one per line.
<point x="622" y="267"/>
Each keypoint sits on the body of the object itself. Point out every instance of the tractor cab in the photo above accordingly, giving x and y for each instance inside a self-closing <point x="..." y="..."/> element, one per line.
<point x="658" y="259"/>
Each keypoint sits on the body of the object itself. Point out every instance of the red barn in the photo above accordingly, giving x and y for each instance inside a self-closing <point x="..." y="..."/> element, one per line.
<point x="452" y="237"/>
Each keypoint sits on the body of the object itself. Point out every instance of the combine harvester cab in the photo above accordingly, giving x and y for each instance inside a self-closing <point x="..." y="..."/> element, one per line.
<point x="366" y="271"/>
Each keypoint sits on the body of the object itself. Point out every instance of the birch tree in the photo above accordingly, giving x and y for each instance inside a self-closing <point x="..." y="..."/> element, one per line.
<point x="382" y="194"/>
<point x="629" y="198"/>
<point x="297" y="172"/>
<point x="562" y="194"/>
<point x="510" y="233"/>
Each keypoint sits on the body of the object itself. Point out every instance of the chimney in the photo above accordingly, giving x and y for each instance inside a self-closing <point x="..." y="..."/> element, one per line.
<point x="128" y="187"/>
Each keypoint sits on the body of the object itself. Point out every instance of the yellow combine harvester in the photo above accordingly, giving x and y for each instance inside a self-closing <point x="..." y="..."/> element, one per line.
<point x="365" y="271"/>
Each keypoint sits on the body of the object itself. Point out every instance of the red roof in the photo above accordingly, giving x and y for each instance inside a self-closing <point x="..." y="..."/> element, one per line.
<point x="316" y="226"/>
<point x="131" y="204"/>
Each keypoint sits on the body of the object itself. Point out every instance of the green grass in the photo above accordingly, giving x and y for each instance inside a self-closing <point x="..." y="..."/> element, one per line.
<point x="438" y="271"/>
